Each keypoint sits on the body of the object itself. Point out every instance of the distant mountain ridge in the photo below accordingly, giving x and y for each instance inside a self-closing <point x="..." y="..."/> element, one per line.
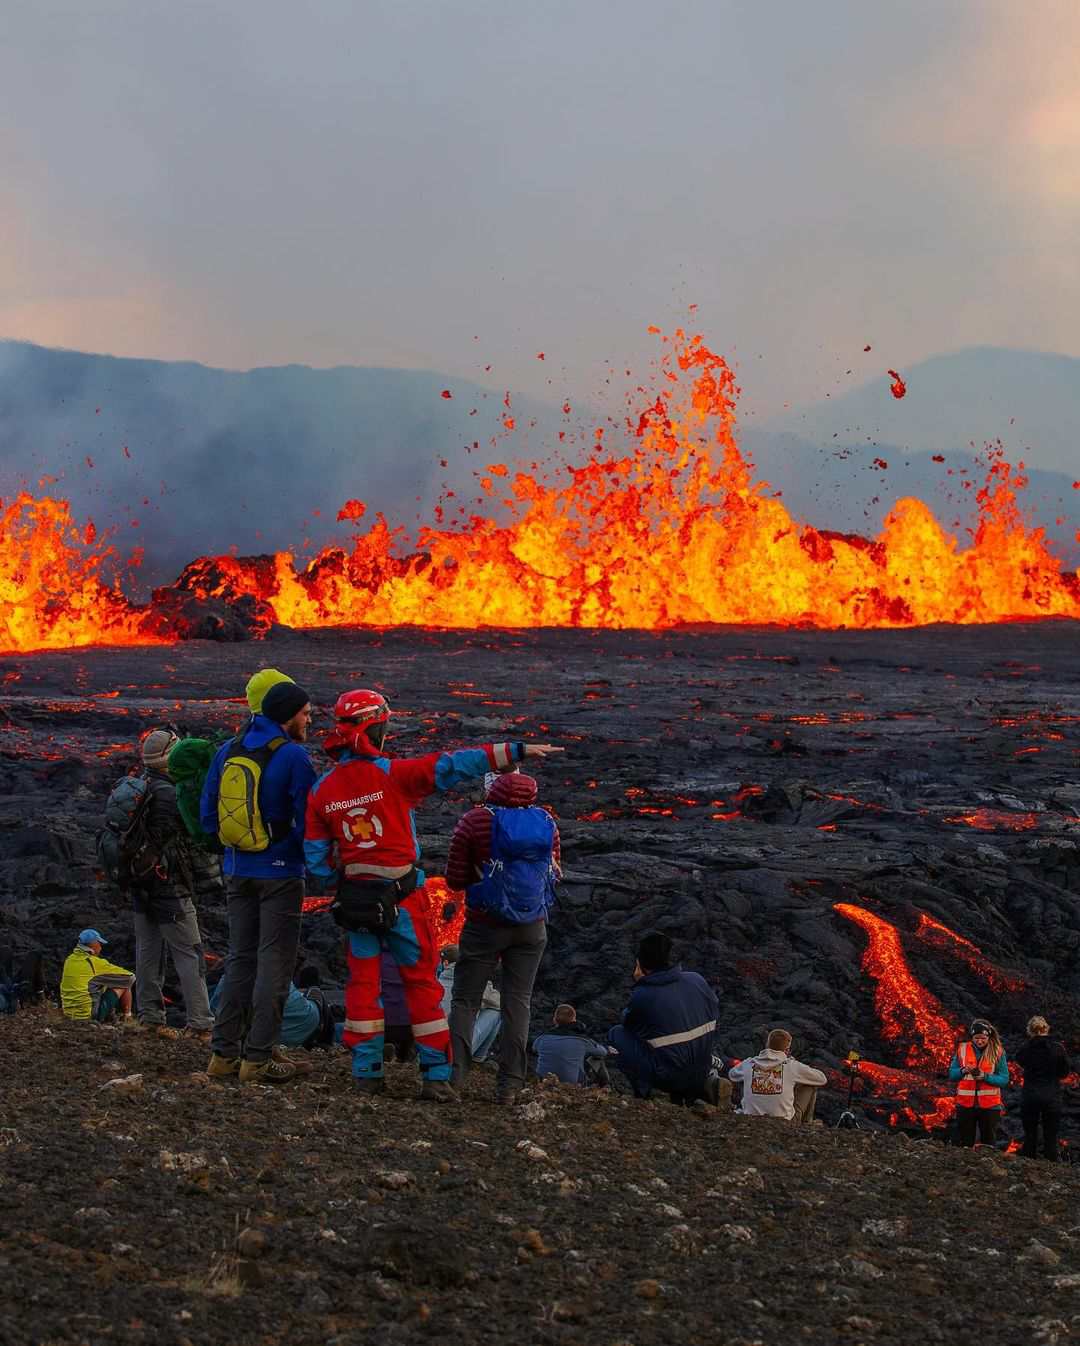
<point x="1030" y="400"/>
<point x="208" y="460"/>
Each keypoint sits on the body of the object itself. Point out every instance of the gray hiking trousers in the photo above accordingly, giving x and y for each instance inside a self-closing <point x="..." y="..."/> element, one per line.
<point x="183" y="940"/>
<point x="264" y="936"/>
<point x="482" y="947"/>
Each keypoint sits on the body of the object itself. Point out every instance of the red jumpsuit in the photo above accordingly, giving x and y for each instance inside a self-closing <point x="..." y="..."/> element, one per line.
<point x="364" y="807"/>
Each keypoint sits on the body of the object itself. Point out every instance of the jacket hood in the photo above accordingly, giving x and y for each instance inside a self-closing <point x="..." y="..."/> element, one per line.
<point x="341" y="744"/>
<point x="259" y="731"/>
<point x="191" y="758"/>
<point x="512" y="790"/>
<point x="662" y="978"/>
<point x="771" y="1054"/>
<point x="260" y="683"/>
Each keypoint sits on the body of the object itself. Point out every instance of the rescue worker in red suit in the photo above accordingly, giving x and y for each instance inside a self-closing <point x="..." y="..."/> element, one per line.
<point x="363" y="807"/>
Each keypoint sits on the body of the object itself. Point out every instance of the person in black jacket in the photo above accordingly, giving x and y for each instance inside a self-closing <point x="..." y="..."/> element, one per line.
<point x="165" y="916"/>
<point x="1045" y="1065"/>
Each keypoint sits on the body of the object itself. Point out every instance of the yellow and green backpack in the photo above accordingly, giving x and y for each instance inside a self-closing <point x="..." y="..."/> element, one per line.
<point x="240" y="822"/>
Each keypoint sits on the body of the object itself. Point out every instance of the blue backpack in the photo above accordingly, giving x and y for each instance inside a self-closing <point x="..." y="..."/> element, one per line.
<point x="519" y="879"/>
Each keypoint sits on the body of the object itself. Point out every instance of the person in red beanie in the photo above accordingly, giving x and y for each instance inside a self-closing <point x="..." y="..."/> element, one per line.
<point x="505" y="855"/>
<point x="362" y="810"/>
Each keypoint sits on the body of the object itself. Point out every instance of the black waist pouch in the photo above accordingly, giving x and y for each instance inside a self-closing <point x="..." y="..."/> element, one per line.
<point x="370" y="906"/>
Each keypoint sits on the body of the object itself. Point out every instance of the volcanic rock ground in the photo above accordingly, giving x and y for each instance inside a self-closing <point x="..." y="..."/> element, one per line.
<point x="730" y="786"/>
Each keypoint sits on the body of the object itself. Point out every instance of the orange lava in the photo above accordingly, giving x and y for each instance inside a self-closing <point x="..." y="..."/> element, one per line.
<point x="941" y="937"/>
<point x="671" y="528"/>
<point x="53" y="590"/>
<point x="996" y="820"/>
<point x="910" y="1015"/>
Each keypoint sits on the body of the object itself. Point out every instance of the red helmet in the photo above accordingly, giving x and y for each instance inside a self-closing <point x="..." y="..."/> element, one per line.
<point x="362" y="706"/>
<point x="358" y="711"/>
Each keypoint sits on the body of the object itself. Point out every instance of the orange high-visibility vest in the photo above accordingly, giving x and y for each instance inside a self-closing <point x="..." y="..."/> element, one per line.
<point x="976" y="1093"/>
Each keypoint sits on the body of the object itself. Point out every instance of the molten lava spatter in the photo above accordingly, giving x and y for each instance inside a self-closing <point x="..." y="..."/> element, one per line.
<point x="910" y="1014"/>
<point x="670" y="529"/>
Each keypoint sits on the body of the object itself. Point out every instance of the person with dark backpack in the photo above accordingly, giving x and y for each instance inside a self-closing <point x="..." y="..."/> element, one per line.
<point x="165" y="916"/>
<point x="505" y="855"/>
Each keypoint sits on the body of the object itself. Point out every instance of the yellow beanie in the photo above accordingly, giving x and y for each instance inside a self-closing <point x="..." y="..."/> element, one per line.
<point x="260" y="683"/>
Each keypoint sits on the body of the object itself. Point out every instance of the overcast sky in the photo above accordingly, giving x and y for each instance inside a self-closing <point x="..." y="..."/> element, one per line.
<point x="255" y="182"/>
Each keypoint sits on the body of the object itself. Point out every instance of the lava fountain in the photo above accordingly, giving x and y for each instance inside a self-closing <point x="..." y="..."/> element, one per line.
<point x="670" y="528"/>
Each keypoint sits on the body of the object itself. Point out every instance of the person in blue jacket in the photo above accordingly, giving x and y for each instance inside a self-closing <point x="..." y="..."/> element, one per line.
<point x="264" y="888"/>
<point x="665" y="1038"/>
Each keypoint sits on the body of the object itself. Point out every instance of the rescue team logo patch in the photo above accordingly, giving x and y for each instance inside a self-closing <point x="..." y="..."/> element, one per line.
<point x="767" y="1079"/>
<point x="362" y="829"/>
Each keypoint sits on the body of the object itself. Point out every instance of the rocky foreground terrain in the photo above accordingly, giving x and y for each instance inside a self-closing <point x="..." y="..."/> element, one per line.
<point x="142" y="1203"/>
<point x="866" y="836"/>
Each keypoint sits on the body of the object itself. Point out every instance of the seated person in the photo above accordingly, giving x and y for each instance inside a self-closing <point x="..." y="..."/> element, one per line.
<point x="300" y="1020"/>
<point x="665" y="1038"/>
<point x="775" y="1084"/>
<point x="488" y="1016"/>
<point x="91" y="987"/>
<point x="565" y="1049"/>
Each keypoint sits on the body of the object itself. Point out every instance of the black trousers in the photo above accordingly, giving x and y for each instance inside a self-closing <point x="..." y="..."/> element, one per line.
<point x="1031" y="1114"/>
<point x="264" y="935"/>
<point x="984" y="1120"/>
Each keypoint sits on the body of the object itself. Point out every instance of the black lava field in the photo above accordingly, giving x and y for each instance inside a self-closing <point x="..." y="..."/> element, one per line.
<point x="731" y="786"/>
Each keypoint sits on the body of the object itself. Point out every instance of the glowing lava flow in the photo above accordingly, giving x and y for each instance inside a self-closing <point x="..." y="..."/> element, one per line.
<point x="941" y="937"/>
<point x="908" y="1012"/>
<point x="669" y="530"/>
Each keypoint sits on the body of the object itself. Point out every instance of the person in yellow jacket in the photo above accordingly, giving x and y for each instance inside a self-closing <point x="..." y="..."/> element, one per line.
<point x="92" y="987"/>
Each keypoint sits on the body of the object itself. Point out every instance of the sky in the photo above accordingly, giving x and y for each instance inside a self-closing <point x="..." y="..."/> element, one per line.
<point x="450" y="185"/>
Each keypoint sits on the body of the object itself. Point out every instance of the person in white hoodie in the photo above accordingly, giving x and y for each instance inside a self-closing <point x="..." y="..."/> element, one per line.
<point x="775" y="1084"/>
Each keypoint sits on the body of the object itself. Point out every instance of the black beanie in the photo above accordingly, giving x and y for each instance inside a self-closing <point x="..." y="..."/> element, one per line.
<point x="283" y="700"/>
<point x="654" y="951"/>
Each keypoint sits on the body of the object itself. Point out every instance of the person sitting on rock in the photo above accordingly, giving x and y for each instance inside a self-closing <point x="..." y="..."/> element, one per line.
<point x="567" y="1052"/>
<point x="981" y="1072"/>
<point x="505" y="855"/>
<point x="489" y="1017"/>
<point x="165" y="916"/>
<point x="665" y="1038"/>
<point x="362" y="810"/>
<point x="774" y="1084"/>
<point x="1045" y="1064"/>
<point x="92" y="988"/>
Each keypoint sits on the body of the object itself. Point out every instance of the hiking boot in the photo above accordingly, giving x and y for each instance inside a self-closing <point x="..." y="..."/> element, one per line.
<point x="267" y="1072"/>
<point x="507" y="1095"/>
<point x="196" y="1034"/>
<point x="129" y="1021"/>
<point x="280" y="1055"/>
<point x="371" y="1085"/>
<point x="438" y="1091"/>
<point x="168" y="1034"/>
<point x="222" y="1066"/>
<point x="712" y="1090"/>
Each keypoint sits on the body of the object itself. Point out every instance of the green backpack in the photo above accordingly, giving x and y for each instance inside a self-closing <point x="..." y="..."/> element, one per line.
<point x="189" y="762"/>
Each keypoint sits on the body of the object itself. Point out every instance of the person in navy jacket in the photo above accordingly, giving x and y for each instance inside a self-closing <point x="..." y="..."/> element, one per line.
<point x="665" y="1038"/>
<point x="265" y="891"/>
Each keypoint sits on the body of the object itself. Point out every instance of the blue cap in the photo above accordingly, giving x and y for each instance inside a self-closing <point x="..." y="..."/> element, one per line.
<point x="92" y="937"/>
